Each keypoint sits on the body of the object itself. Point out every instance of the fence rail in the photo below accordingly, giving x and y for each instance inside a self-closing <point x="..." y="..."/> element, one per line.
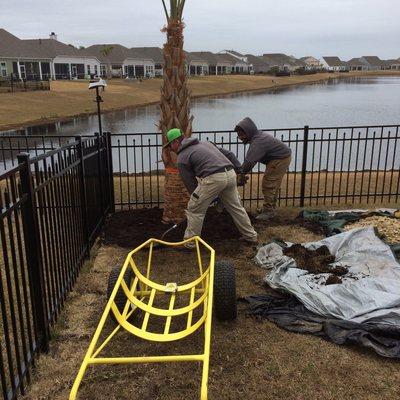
<point x="52" y="207"/>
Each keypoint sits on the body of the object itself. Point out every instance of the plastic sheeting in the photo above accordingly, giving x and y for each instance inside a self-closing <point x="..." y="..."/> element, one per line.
<point x="370" y="292"/>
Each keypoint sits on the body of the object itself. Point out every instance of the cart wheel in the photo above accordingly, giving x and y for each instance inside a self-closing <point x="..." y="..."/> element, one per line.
<point x="120" y="298"/>
<point x="225" y="306"/>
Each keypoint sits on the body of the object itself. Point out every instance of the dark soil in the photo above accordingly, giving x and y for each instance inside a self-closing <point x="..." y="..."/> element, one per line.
<point x="315" y="261"/>
<point x="333" y="280"/>
<point x="131" y="228"/>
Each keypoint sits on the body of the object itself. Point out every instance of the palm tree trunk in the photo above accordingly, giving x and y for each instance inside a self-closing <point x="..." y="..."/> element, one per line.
<point x="175" y="113"/>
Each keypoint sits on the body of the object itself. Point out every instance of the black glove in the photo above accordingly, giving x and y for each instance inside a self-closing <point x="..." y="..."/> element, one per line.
<point x="241" y="179"/>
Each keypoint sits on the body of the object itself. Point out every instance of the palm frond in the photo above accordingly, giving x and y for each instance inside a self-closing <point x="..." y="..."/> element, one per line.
<point x="165" y="9"/>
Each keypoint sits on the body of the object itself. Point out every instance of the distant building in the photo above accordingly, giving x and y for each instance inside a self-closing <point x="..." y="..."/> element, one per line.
<point x="239" y="64"/>
<point x="282" y="61"/>
<point x="197" y="64"/>
<point x="257" y="64"/>
<point x="311" y="62"/>
<point x="373" y="63"/>
<point x="392" y="64"/>
<point x="357" y="64"/>
<point x="333" y="63"/>
<point x="155" y="54"/>
<point x="43" y="59"/>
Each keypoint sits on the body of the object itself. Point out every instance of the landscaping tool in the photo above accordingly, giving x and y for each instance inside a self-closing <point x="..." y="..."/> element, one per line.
<point x="131" y="292"/>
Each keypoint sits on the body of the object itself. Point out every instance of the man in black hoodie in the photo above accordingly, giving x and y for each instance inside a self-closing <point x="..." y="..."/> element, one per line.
<point x="208" y="172"/>
<point x="268" y="150"/>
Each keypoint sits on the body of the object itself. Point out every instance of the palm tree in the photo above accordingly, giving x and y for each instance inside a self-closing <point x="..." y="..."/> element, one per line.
<point x="175" y="113"/>
<point x="106" y="51"/>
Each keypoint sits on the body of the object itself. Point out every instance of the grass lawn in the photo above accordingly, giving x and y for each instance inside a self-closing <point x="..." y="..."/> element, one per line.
<point x="250" y="359"/>
<point x="67" y="99"/>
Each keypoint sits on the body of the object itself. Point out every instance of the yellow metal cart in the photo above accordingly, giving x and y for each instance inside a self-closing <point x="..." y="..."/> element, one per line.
<point x="131" y="291"/>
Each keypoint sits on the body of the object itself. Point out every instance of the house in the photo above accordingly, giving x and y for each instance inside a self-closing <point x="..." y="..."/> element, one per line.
<point x="257" y="64"/>
<point x="392" y="64"/>
<point x="196" y="64"/>
<point x="235" y="54"/>
<point x="282" y="61"/>
<point x="239" y="61"/>
<point x="373" y="63"/>
<point x="237" y="65"/>
<point x="111" y="56"/>
<point x="357" y="64"/>
<point x="333" y="63"/>
<point x="311" y="63"/>
<point x="156" y="55"/>
<point x="43" y="59"/>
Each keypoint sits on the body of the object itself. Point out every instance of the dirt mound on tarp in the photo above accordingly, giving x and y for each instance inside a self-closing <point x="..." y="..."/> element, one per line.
<point x="316" y="261"/>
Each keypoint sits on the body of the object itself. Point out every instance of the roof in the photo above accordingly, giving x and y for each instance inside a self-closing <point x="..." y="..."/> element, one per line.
<point x="355" y="62"/>
<point x="373" y="60"/>
<point x="307" y="57"/>
<point x="252" y="59"/>
<point x="154" y="53"/>
<point x="11" y="46"/>
<point x="117" y="55"/>
<point x="281" y="59"/>
<point x="211" y="58"/>
<point x="227" y="59"/>
<point x="192" y="57"/>
<point x="49" y="48"/>
<point x="235" y="53"/>
<point x="333" y="61"/>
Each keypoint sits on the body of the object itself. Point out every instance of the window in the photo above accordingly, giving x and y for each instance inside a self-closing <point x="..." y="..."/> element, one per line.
<point x="149" y="70"/>
<point x="103" y="70"/>
<point x="3" y="69"/>
<point x="95" y="70"/>
<point x="88" y="69"/>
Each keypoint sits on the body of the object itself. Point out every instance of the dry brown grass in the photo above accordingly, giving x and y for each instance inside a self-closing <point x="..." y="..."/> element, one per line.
<point x="249" y="359"/>
<point x="67" y="99"/>
<point x="136" y="189"/>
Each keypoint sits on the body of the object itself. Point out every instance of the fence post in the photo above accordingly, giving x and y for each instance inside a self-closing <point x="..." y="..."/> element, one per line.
<point x="82" y="184"/>
<point x="33" y="254"/>
<point x="304" y="166"/>
<point x="110" y="172"/>
<point x="99" y="167"/>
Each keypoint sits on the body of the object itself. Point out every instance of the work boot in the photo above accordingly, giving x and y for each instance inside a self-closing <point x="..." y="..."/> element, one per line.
<point x="266" y="215"/>
<point x="249" y="240"/>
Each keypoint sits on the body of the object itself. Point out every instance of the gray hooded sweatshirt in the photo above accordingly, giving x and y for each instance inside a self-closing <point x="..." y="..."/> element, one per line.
<point x="201" y="159"/>
<point x="263" y="146"/>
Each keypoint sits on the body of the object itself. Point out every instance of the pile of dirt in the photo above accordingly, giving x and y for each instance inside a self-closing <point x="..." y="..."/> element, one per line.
<point x="131" y="228"/>
<point x="316" y="262"/>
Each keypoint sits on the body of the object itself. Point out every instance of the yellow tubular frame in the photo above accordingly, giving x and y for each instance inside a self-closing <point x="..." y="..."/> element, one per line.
<point x="142" y="288"/>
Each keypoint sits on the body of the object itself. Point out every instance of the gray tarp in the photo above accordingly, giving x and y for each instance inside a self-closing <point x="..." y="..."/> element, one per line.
<point x="370" y="292"/>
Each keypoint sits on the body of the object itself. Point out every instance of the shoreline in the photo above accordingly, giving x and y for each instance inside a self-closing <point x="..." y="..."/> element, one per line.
<point x="279" y="82"/>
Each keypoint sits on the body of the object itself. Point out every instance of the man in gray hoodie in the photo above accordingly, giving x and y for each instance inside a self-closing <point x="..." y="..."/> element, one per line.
<point x="208" y="172"/>
<point x="268" y="150"/>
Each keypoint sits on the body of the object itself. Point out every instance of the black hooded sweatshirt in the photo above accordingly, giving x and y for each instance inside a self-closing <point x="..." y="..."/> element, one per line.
<point x="263" y="146"/>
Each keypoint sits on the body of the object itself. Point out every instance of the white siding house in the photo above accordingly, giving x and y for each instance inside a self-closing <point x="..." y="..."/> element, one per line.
<point x="334" y="64"/>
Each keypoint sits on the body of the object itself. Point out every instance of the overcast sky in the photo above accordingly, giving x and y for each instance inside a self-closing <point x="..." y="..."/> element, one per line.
<point x="346" y="28"/>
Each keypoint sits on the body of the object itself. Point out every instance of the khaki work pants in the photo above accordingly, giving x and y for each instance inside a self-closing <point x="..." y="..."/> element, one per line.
<point x="275" y="170"/>
<point x="222" y="185"/>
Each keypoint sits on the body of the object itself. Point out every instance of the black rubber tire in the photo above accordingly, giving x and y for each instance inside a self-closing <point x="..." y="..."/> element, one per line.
<point x="225" y="305"/>
<point x="120" y="298"/>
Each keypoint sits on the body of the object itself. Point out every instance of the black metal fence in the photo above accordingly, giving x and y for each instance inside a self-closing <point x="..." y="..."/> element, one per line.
<point x="24" y="85"/>
<point x="330" y="165"/>
<point x="52" y="207"/>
